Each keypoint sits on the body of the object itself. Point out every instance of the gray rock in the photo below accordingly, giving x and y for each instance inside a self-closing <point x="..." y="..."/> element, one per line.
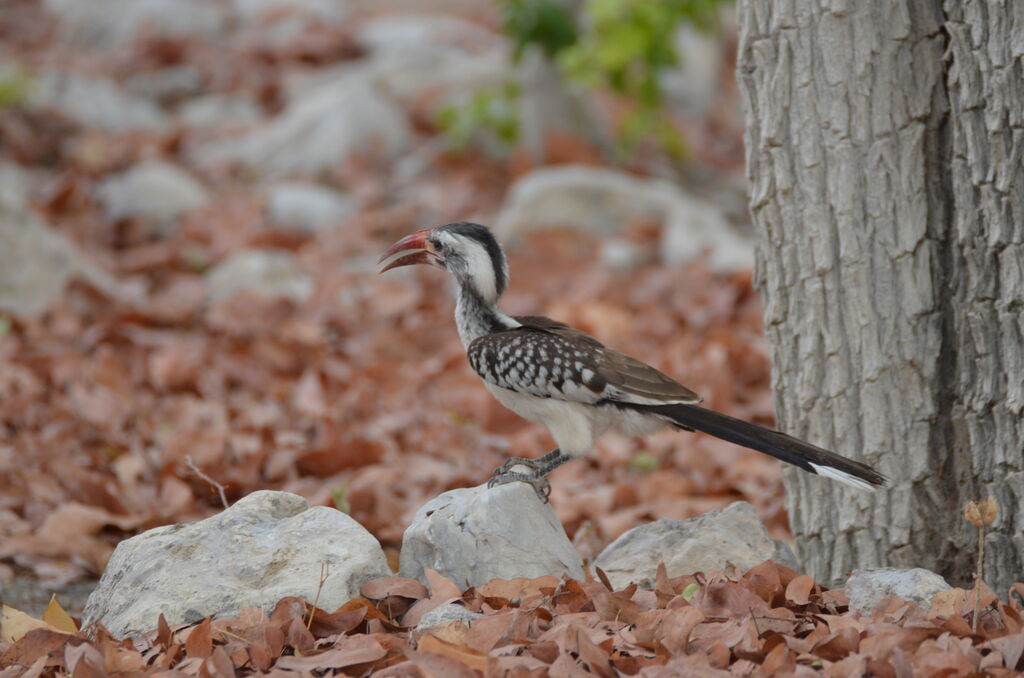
<point x="330" y="11"/>
<point x="320" y="130"/>
<point x="167" y="84"/>
<point x="396" y="32"/>
<point x="474" y="535"/>
<point x="604" y="201"/>
<point x="97" y="102"/>
<point x="268" y="273"/>
<point x="695" y="226"/>
<point x="865" y="588"/>
<point x="446" y="614"/>
<point x="267" y="546"/>
<point x="309" y="207"/>
<point x="220" y="112"/>
<point x="36" y="262"/>
<point x="111" y="22"/>
<point x="785" y="555"/>
<point x="730" y="537"/>
<point x="152" y="190"/>
<point x="691" y="87"/>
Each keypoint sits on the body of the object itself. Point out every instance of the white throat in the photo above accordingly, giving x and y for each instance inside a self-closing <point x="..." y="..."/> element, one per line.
<point x="474" y="318"/>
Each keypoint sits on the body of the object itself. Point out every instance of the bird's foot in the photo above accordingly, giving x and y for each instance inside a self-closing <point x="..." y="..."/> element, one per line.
<point x="539" y="483"/>
<point x="512" y="462"/>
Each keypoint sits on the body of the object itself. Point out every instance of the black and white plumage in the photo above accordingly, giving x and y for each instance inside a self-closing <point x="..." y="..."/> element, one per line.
<point x="550" y="373"/>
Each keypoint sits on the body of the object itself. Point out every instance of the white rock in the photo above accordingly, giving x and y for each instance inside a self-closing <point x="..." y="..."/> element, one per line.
<point x="865" y="588"/>
<point x="695" y="226"/>
<point x="447" y="614"/>
<point x="694" y="84"/>
<point x="474" y="535"/>
<point x="267" y="546"/>
<point x="219" y="112"/>
<point x="319" y="131"/>
<point x="308" y="206"/>
<point x="331" y="11"/>
<point x="167" y="84"/>
<point x="396" y="32"/>
<point x="604" y="201"/>
<point x="97" y="102"/>
<point x="268" y="273"/>
<point x="733" y="537"/>
<point x="412" y="55"/>
<point x="36" y="262"/>
<point x="110" y="22"/>
<point x="153" y="190"/>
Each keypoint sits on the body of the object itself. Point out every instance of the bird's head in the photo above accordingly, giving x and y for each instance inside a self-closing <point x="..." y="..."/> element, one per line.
<point x="466" y="250"/>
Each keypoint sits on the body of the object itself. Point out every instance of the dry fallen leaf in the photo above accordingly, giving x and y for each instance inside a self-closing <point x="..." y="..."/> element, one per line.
<point x="14" y="624"/>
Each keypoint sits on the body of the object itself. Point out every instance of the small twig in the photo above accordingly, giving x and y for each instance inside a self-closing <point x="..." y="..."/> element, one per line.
<point x="753" y="618"/>
<point x="977" y="578"/>
<point x="324" y="574"/>
<point x="980" y="514"/>
<point x="213" y="483"/>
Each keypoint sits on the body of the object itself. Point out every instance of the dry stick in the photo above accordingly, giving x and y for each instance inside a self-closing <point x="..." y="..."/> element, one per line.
<point x="977" y="577"/>
<point x="324" y="573"/>
<point x="213" y="483"/>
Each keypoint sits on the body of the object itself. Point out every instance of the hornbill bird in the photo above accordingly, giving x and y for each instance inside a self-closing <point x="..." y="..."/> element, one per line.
<point x="548" y="372"/>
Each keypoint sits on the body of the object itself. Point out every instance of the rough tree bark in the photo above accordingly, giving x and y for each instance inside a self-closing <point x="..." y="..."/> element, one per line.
<point x="885" y="150"/>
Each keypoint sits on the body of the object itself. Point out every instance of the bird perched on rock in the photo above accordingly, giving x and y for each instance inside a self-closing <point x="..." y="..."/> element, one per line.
<point x="550" y="373"/>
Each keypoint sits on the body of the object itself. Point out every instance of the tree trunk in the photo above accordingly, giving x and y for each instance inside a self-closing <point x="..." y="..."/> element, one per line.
<point x="885" y="151"/>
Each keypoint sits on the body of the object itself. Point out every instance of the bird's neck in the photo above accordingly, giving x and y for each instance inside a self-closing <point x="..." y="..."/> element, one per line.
<point x="476" y="317"/>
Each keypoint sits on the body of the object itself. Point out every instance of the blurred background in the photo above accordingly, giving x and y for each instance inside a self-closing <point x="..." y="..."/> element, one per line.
<point x="193" y="195"/>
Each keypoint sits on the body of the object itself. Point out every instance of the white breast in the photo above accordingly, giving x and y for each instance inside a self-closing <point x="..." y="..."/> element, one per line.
<point x="573" y="425"/>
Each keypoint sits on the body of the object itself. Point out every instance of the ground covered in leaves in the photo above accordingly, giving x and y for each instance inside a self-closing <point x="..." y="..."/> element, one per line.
<point x="770" y="622"/>
<point x="126" y="409"/>
<point x="115" y="407"/>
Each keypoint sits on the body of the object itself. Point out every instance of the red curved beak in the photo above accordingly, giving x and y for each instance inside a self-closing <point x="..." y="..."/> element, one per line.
<point x="417" y="251"/>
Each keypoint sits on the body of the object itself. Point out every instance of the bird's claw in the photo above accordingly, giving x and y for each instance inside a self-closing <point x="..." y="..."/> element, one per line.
<point x="512" y="462"/>
<point x="539" y="484"/>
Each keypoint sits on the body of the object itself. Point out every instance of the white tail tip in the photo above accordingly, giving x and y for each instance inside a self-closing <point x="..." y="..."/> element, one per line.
<point x="843" y="477"/>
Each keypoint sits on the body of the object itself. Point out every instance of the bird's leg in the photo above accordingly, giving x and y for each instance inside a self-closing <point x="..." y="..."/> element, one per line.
<point x="536" y="478"/>
<point x="533" y="464"/>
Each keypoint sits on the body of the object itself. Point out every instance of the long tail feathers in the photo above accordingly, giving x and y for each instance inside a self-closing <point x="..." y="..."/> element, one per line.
<point x="779" y="445"/>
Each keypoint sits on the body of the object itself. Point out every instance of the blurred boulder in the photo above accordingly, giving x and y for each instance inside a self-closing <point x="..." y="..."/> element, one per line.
<point x="411" y="55"/>
<point x="730" y="538"/>
<point x="695" y="226"/>
<point x="476" y="534"/>
<point x="309" y="207"/>
<point x="97" y="102"/>
<point x="604" y="201"/>
<point x="320" y="130"/>
<point x="167" y="84"/>
<point x="110" y="22"/>
<point x="866" y="588"/>
<point x="693" y="85"/>
<point x="219" y="112"/>
<point x="267" y="546"/>
<point x="330" y="11"/>
<point x="267" y="273"/>
<point x="36" y="262"/>
<point x="152" y="190"/>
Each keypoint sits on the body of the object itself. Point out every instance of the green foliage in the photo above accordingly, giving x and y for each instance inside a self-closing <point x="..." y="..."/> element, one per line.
<point x="621" y="46"/>
<point x="15" y="86"/>
<point x="545" y="23"/>
<point x="644" y="462"/>
<point x="491" y="108"/>
<point x="338" y="497"/>
<point x="627" y="45"/>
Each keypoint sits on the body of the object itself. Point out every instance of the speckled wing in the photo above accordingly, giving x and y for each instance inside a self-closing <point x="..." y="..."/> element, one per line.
<point x="549" y="359"/>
